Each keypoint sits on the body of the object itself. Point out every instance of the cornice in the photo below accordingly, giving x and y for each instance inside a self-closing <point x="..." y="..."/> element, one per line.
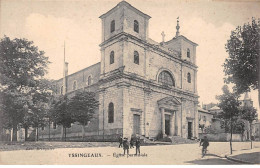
<point x="148" y="46"/>
<point x="145" y="82"/>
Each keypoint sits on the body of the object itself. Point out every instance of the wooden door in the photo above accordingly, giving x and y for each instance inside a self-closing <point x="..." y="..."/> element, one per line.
<point x="189" y="130"/>
<point x="136" y="128"/>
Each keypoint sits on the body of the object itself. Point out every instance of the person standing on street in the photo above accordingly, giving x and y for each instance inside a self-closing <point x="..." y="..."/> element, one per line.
<point x="132" y="142"/>
<point x="120" y="141"/>
<point x="137" y="145"/>
<point x="126" y="145"/>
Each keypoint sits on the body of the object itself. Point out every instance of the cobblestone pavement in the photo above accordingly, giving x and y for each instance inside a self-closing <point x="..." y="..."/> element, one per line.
<point x="159" y="154"/>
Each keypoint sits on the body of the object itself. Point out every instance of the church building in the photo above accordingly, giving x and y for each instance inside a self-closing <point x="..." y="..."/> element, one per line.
<point x="144" y="87"/>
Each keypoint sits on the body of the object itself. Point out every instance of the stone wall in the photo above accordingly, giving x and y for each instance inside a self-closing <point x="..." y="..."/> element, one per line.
<point x="81" y="78"/>
<point x="221" y="137"/>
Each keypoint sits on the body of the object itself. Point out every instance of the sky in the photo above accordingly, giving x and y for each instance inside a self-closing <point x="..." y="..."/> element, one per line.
<point x="48" y="23"/>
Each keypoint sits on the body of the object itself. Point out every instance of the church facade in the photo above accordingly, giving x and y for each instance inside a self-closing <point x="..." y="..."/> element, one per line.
<point x="143" y="87"/>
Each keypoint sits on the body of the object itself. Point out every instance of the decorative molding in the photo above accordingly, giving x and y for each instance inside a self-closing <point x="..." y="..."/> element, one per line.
<point x="151" y="83"/>
<point x="124" y="38"/>
<point x="136" y="110"/>
<point x="190" y="118"/>
<point x="147" y="90"/>
<point x="149" y="45"/>
<point x="101" y="90"/>
<point x="123" y="84"/>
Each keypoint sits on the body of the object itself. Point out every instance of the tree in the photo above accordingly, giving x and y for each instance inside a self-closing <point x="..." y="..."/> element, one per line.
<point x="249" y="113"/>
<point x="13" y="110"/>
<point x="230" y="108"/>
<point x="242" y="65"/>
<point x="41" y="96"/>
<point x="83" y="106"/>
<point x="61" y="114"/>
<point x="22" y="65"/>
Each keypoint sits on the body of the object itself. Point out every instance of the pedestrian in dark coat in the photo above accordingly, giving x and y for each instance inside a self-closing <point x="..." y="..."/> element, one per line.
<point x="137" y="145"/>
<point x="126" y="145"/>
<point x="132" y="142"/>
<point x="120" y="141"/>
<point x="204" y="143"/>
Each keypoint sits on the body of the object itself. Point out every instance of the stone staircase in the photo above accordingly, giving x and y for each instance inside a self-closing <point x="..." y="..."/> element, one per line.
<point x="180" y="140"/>
<point x="145" y="139"/>
<point x="169" y="140"/>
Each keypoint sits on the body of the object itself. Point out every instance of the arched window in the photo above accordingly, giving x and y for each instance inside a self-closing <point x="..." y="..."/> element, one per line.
<point x="188" y="78"/>
<point x="111" y="113"/>
<point x="166" y="78"/>
<point x="89" y="80"/>
<point x="136" y="26"/>
<point x="136" y="57"/>
<point x="188" y="53"/>
<point x="74" y="87"/>
<point x="61" y="90"/>
<point x="112" y="26"/>
<point x="112" y="57"/>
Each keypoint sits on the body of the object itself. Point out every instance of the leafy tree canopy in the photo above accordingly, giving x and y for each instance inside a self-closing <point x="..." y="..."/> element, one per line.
<point x="228" y="103"/>
<point x="22" y="87"/>
<point x="83" y="106"/>
<point x="249" y="113"/>
<point x="60" y="112"/>
<point x="242" y="65"/>
<point x="21" y="63"/>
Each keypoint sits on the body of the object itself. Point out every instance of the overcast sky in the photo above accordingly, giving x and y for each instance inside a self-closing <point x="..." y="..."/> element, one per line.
<point x="50" y="23"/>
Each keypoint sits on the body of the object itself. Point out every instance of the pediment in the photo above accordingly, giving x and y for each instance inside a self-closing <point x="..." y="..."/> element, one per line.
<point x="170" y="101"/>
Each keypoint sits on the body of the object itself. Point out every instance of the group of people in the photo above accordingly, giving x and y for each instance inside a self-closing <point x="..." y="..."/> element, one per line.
<point x="134" y="141"/>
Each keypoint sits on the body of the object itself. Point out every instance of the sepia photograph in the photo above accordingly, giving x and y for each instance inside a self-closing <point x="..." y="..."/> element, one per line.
<point x="128" y="82"/>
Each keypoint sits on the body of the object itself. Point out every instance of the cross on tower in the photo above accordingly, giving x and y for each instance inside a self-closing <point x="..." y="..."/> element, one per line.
<point x="163" y="35"/>
<point x="177" y="27"/>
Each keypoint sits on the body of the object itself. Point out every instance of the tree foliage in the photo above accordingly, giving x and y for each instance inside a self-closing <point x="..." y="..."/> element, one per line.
<point x="12" y="108"/>
<point x="242" y="66"/>
<point x="238" y="126"/>
<point x="229" y="104"/>
<point x="21" y="63"/>
<point x="61" y="113"/>
<point x="249" y="113"/>
<point x="22" y="67"/>
<point x="83" y="106"/>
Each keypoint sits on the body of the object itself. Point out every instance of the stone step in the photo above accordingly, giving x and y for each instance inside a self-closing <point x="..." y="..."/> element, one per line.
<point x="178" y="140"/>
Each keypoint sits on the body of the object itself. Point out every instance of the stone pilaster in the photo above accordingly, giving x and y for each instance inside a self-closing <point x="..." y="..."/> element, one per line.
<point x="163" y="122"/>
<point x="172" y="124"/>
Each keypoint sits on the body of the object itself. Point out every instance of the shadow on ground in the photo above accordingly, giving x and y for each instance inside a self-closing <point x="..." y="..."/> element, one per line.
<point x="212" y="159"/>
<point x="250" y="157"/>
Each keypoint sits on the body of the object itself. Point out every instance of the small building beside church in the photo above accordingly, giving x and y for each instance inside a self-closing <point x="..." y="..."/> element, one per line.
<point x="144" y="87"/>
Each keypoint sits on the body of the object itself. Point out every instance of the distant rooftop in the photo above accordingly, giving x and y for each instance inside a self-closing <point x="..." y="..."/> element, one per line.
<point x="215" y="108"/>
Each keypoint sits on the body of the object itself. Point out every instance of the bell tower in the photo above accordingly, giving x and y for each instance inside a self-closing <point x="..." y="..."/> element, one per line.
<point x="120" y="25"/>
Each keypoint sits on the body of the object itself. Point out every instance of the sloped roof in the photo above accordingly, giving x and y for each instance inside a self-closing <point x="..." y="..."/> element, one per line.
<point x="183" y="37"/>
<point x="215" y="108"/>
<point x="124" y="3"/>
<point x="203" y="110"/>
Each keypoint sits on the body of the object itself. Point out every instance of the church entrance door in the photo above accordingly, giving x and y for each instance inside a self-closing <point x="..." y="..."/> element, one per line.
<point x="136" y="124"/>
<point x="189" y="130"/>
<point x="167" y="124"/>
